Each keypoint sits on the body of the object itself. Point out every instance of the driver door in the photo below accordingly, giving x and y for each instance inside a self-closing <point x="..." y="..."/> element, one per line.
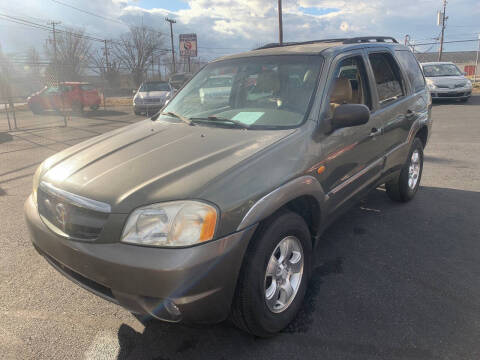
<point x="354" y="157"/>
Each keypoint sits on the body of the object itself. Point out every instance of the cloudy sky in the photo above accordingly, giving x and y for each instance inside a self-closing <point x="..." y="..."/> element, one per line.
<point x="229" y="26"/>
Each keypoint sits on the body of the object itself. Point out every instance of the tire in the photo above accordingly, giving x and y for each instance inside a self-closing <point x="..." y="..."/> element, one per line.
<point x="136" y="112"/>
<point x="464" y="99"/>
<point x="77" y="108"/>
<point x="250" y="310"/>
<point x="36" y="109"/>
<point x="404" y="188"/>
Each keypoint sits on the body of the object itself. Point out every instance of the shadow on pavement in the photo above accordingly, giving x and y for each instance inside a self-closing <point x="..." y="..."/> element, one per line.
<point x="396" y="281"/>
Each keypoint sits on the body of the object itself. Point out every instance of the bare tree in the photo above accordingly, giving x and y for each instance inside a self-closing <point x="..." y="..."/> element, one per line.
<point x="6" y="70"/>
<point x="33" y="57"/>
<point x="136" y="49"/>
<point x="73" y="54"/>
<point x="110" y="72"/>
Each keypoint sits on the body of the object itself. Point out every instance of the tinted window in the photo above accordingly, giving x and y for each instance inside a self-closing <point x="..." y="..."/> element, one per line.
<point x="350" y="85"/>
<point x="387" y="77"/>
<point x="87" y="87"/>
<point x="412" y="68"/>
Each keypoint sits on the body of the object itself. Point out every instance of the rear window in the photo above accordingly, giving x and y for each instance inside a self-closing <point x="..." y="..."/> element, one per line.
<point x="387" y="77"/>
<point x="412" y="68"/>
<point x="87" y="87"/>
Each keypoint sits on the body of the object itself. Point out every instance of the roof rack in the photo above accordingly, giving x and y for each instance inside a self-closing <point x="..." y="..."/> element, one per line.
<point x="366" y="39"/>
<point x="355" y="40"/>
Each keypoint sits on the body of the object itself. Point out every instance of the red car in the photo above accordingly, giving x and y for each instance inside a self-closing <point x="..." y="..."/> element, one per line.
<point x="67" y="95"/>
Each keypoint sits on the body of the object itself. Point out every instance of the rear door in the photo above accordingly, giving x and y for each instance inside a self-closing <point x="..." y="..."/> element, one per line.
<point x="89" y="94"/>
<point x="394" y="105"/>
<point x="353" y="157"/>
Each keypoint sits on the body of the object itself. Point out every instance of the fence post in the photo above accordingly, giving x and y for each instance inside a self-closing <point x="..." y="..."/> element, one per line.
<point x="8" y="117"/>
<point x="12" y="106"/>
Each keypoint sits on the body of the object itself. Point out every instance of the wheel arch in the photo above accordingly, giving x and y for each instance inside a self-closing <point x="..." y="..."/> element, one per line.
<point x="422" y="134"/>
<point x="303" y="195"/>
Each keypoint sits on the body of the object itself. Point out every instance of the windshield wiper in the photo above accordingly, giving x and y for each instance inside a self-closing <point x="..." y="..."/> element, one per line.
<point x="225" y="120"/>
<point x="178" y="116"/>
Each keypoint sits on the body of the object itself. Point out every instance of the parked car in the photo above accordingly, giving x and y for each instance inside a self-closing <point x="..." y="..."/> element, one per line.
<point x="177" y="80"/>
<point x="446" y="81"/>
<point x="151" y="97"/>
<point x="66" y="95"/>
<point x="202" y="213"/>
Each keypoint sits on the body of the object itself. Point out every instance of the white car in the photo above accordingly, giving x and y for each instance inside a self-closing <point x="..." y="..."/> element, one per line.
<point x="446" y="81"/>
<point x="151" y="97"/>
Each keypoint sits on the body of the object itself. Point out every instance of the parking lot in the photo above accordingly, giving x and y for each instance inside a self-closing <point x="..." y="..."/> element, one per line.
<point x="393" y="281"/>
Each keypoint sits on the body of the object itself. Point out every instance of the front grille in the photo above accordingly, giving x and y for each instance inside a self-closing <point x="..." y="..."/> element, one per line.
<point x="67" y="218"/>
<point x="152" y="101"/>
<point x="451" y="94"/>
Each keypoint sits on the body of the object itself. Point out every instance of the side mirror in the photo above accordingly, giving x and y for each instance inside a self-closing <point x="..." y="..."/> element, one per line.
<point x="348" y="115"/>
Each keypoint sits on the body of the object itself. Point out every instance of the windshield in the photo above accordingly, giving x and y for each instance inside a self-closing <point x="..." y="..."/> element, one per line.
<point x="259" y="92"/>
<point x="154" y="86"/>
<point x="441" y="70"/>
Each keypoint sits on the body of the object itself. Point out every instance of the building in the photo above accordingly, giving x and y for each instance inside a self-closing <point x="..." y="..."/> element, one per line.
<point x="465" y="60"/>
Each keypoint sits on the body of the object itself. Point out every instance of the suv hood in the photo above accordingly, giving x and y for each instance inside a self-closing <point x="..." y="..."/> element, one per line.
<point x="151" y="162"/>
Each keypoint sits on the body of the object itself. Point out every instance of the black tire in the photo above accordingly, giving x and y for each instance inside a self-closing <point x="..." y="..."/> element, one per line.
<point x="249" y="309"/>
<point x="399" y="189"/>
<point x="77" y="108"/>
<point x="136" y="112"/>
<point x="36" y="109"/>
<point x="464" y="99"/>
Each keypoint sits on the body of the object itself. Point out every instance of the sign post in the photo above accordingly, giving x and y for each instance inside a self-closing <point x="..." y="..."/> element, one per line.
<point x="188" y="47"/>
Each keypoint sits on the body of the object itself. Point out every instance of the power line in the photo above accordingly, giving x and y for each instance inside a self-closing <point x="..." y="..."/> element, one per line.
<point x="89" y="13"/>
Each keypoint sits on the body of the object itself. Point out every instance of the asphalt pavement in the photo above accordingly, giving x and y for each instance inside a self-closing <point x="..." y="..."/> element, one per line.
<point x="395" y="281"/>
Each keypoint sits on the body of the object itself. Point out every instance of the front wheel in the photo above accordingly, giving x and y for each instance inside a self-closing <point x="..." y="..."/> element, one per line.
<point x="274" y="275"/>
<point x="405" y="187"/>
<point x="464" y="99"/>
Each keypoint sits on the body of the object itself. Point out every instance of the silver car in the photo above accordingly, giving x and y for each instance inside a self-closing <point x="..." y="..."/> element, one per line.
<point x="446" y="81"/>
<point x="151" y="97"/>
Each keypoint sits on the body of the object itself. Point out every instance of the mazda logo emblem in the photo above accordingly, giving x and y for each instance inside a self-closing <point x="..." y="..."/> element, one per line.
<point x="61" y="215"/>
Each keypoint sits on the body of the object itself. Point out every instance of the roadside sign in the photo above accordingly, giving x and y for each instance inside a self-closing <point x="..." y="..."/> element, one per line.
<point x="188" y="45"/>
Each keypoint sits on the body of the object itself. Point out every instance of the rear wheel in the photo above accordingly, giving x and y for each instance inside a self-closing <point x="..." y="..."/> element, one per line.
<point x="36" y="108"/>
<point x="464" y="99"/>
<point x="274" y="276"/>
<point x="405" y="187"/>
<point x="77" y="107"/>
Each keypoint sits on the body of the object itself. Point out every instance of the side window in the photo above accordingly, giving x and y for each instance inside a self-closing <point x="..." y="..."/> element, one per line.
<point x="387" y="77"/>
<point x="350" y="85"/>
<point x="412" y="68"/>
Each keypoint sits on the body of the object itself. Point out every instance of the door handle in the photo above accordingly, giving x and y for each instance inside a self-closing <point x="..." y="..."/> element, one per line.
<point x="410" y="114"/>
<point x="375" y="132"/>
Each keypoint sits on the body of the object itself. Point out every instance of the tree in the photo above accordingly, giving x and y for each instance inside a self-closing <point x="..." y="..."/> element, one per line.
<point x="33" y="57"/>
<point x="73" y="54"/>
<point x="136" y="49"/>
<point x="109" y="72"/>
<point x="6" y="71"/>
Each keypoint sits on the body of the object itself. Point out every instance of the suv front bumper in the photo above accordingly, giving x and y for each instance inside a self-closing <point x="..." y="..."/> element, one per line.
<point x="194" y="284"/>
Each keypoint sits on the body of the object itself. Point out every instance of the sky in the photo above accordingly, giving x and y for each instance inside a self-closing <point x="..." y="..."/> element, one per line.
<point x="231" y="26"/>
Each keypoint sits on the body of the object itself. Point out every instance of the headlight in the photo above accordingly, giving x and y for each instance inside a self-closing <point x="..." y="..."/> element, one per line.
<point x="36" y="181"/>
<point x="430" y="84"/>
<point x="468" y="84"/>
<point x="172" y="224"/>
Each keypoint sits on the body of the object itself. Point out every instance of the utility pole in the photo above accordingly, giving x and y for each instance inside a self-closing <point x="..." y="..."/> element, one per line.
<point x="107" y="71"/>
<point x="171" y="21"/>
<point x="55" y="60"/>
<point x="476" y="61"/>
<point x="280" y="23"/>
<point x="444" y="18"/>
